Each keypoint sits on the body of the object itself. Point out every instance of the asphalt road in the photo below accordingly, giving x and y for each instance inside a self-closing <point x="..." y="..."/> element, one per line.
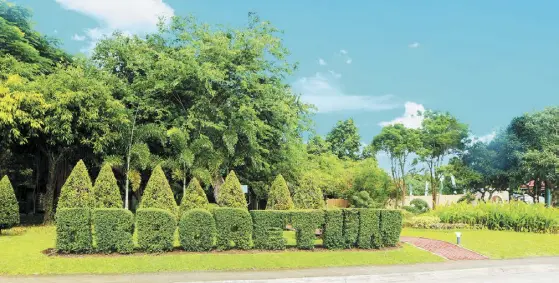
<point x="541" y="270"/>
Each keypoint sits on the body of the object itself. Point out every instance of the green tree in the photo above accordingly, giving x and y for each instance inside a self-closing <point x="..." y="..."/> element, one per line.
<point x="9" y="209"/>
<point x="279" y="197"/>
<point x="344" y="140"/>
<point x="158" y="193"/>
<point x="231" y="194"/>
<point x="308" y="194"/>
<point x="369" y="177"/>
<point x="194" y="197"/>
<point x="317" y="145"/>
<point x="77" y="191"/>
<point x="105" y="191"/>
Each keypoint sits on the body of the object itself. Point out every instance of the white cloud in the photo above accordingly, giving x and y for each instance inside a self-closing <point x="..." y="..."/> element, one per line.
<point x="485" y="138"/>
<point x="321" y="62"/>
<point x="55" y="31"/>
<point x="334" y="74"/>
<point x="327" y="96"/>
<point x="348" y="61"/>
<point x="78" y="37"/>
<point x="411" y="117"/>
<point x="343" y="51"/>
<point x="414" y="45"/>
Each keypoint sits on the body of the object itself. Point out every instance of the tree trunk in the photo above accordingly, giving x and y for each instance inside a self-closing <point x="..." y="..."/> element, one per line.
<point x="49" y="196"/>
<point x="216" y="184"/>
<point x="433" y="187"/>
<point x="127" y="181"/>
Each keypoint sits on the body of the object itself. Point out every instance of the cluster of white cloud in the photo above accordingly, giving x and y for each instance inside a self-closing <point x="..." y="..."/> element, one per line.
<point x="411" y="118"/>
<point x="322" y="62"/>
<point x="485" y="138"/>
<point x="414" y="45"/>
<point x="347" y="59"/>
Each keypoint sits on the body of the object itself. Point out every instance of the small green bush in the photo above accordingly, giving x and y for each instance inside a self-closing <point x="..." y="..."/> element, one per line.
<point x="422" y="222"/>
<point x="390" y="227"/>
<point x="234" y="228"/>
<point x="197" y="230"/>
<point x="351" y="227"/>
<point x="105" y="191"/>
<point x="333" y="236"/>
<point x="266" y="224"/>
<point x="411" y="209"/>
<point x="308" y="196"/>
<point x="113" y="230"/>
<point x="362" y="199"/>
<point x="73" y="230"/>
<point x="420" y="205"/>
<point x="77" y="191"/>
<point x="279" y="197"/>
<point x="194" y="197"/>
<point x="158" y="193"/>
<point x="9" y="208"/>
<point x="305" y="223"/>
<point x="156" y="229"/>
<point x="230" y="194"/>
<point x="370" y="236"/>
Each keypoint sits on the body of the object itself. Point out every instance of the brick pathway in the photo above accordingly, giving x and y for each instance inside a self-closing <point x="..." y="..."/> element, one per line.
<point x="444" y="249"/>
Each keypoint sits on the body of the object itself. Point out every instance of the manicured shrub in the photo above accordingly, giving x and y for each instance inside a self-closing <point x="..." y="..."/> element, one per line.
<point x="230" y="194"/>
<point x="158" y="193"/>
<point x="390" y="227"/>
<point x="77" y="191"/>
<point x="105" y="191"/>
<point x="333" y="236"/>
<point x="197" y="230"/>
<point x="279" y="197"/>
<point x="234" y="228"/>
<point x="422" y="222"/>
<point x="113" y="230"/>
<point x="156" y="229"/>
<point x="9" y="208"/>
<point x="194" y="197"/>
<point x="411" y="209"/>
<point x="266" y="224"/>
<point x="362" y="199"/>
<point x="350" y="227"/>
<point x="370" y="236"/>
<point x="305" y="223"/>
<point x="308" y="196"/>
<point x="421" y="205"/>
<point x="73" y="230"/>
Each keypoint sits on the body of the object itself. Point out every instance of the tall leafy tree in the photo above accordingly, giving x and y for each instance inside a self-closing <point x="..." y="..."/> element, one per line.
<point x="344" y="140"/>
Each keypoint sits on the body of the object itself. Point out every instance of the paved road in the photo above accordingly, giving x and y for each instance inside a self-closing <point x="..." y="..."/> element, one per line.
<point x="541" y="270"/>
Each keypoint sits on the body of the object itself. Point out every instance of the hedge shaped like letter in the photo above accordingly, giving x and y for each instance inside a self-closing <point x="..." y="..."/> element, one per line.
<point x="113" y="230"/>
<point x="105" y="191"/>
<point x="158" y="193"/>
<point x="390" y="227"/>
<point x="156" y="229"/>
<point x="77" y="191"/>
<point x="350" y="227"/>
<point x="9" y="209"/>
<point x="279" y="197"/>
<point x="305" y="223"/>
<point x="268" y="226"/>
<point x="73" y="230"/>
<point x="194" y="197"/>
<point x="197" y="230"/>
<point x="369" y="229"/>
<point x="333" y="236"/>
<point x="234" y="226"/>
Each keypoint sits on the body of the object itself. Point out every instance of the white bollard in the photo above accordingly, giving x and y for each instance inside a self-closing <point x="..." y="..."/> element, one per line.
<point x="458" y="236"/>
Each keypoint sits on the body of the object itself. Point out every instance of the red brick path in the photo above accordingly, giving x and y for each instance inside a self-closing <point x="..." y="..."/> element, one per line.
<point x="444" y="249"/>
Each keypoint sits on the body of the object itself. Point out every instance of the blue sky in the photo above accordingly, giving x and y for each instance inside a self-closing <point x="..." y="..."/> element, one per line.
<point x="375" y="61"/>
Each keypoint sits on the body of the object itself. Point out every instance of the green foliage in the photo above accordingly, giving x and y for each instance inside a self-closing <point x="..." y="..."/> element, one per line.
<point x="305" y="223"/>
<point x="266" y="224"/>
<point x="333" y="236"/>
<point x="370" y="236"/>
<point x="351" y="227"/>
<point x="467" y="198"/>
<point x="77" y="191"/>
<point x="411" y="209"/>
<point x="421" y="205"/>
<point x="113" y="230"/>
<point x="308" y="195"/>
<point x="158" y="194"/>
<point x="105" y="191"/>
<point x="369" y="177"/>
<point x="390" y="227"/>
<point x="197" y="230"/>
<point x="9" y="208"/>
<point x="234" y="228"/>
<point x="344" y="140"/>
<point x="194" y="197"/>
<point x="363" y="200"/>
<point x="156" y="229"/>
<point x="230" y="194"/>
<point x="279" y="197"/>
<point x="73" y="230"/>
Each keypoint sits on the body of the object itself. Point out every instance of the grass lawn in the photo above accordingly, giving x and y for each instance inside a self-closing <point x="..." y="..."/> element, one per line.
<point x="497" y="244"/>
<point x="20" y="253"/>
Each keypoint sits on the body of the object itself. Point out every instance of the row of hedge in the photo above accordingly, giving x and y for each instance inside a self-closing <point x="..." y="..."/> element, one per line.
<point x="223" y="228"/>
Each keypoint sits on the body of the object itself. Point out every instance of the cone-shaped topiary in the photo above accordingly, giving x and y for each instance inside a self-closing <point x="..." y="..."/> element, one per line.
<point x="9" y="209"/>
<point x="279" y="197"/>
<point x="308" y="195"/>
<point x="158" y="193"/>
<point x="194" y="197"/>
<point x="105" y="191"/>
<point x="230" y="194"/>
<point x="77" y="192"/>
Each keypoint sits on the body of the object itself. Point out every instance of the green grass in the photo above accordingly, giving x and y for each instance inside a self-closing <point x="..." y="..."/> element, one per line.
<point x="20" y="253"/>
<point x="497" y="244"/>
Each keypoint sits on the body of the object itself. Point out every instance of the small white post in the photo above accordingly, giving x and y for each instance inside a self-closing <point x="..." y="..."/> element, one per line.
<point x="458" y="237"/>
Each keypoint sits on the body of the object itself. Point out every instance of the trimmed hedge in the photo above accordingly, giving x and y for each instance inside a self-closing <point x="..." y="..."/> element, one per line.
<point x="230" y="194"/>
<point x="268" y="226"/>
<point x="77" y="191"/>
<point x="156" y="229"/>
<point x="369" y="229"/>
<point x="390" y="227"/>
<point x="73" y="230"/>
<point x="350" y="227"/>
<point x="305" y="223"/>
<point x="113" y="230"/>
<point x="158" y="193"/>
<point x="234" y="228"/>
<point x="197" y="230"/>
<point x="194" y="197"/>
<point x="279" y="197"/>
<point x="105" y="191"/>
<point x="9" y="208"/>
<point x="333" y="236"/>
